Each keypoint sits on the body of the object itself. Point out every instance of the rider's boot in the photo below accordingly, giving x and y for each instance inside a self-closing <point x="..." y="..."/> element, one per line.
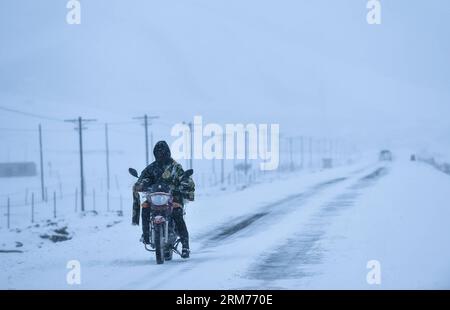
<point x="185" y="252"/>
<point x="145" y="238"/>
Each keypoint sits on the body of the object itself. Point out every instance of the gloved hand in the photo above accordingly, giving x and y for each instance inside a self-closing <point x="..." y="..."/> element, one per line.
<point x="137" y="187"/>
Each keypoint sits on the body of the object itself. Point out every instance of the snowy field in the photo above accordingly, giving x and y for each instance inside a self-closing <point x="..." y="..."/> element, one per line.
<point x="308" y="231"/>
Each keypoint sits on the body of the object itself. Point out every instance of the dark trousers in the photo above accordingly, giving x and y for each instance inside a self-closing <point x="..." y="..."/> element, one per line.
<point x="180" y="224"/>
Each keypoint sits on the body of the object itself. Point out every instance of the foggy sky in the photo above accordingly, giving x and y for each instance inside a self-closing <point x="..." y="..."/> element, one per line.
<point x="314" y="67"/>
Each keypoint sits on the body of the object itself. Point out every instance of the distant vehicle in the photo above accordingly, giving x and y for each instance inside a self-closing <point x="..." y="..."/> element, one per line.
<point x="385" y="155"/>
<point x="327" y="163"/>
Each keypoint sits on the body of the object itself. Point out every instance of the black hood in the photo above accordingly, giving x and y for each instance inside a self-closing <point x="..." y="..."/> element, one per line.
<point x="162" y="152"/>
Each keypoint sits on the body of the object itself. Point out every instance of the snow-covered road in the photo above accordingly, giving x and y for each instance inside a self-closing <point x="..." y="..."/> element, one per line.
<point x="315" y="230"/>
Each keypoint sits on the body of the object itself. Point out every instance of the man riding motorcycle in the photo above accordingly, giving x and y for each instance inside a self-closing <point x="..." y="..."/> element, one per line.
<point x="165" y="169"/>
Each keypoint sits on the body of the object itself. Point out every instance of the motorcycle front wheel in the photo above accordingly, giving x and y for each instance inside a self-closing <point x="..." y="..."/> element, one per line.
<point x="159" y="244"/>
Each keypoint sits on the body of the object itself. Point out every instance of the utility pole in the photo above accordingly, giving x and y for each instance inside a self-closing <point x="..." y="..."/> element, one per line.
<point x="330" y="145"/>
<point x="302" y="154"/>
<point x="8" y="212"/>
<point x="222" y="162"/>
<point x="152" y="143"/>
<point x="54" y="204"/>
<point x="80" y="121"/>
<point x="147" y="161"/>
<point x="147" y="122"/>
<point x="291" y="160"/>
<point x="41" y="162"/>
<point x="108" y="181"/>
<point x="32" y="207"/>
<point x="310" y="152"/>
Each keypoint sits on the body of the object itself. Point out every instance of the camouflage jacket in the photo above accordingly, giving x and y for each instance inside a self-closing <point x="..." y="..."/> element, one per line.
<point x="169" y="174"/>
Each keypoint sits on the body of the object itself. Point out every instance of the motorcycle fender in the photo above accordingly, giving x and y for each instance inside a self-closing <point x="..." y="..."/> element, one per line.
<point x="159" y="219"/>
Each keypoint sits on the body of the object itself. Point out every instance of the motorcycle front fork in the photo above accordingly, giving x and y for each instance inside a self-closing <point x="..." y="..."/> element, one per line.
<point x="166" y="233"/>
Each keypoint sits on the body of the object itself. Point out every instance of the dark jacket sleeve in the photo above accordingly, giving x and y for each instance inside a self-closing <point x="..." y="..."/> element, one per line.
<point x="146" y="174"/>
<point x="136" y="201"/>
<point x="186" y="188"/>
<point x="136" y="209"/>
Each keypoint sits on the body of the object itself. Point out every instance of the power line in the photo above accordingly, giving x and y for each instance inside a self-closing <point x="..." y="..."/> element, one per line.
<point x="18" y="129"/>
<point x="121" y="123"/>
<point x="31" y="114"/>
<point x="41" y="161"/>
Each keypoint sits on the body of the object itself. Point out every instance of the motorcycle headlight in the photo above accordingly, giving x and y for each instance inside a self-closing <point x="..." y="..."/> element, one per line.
<point x="159" y="199"/>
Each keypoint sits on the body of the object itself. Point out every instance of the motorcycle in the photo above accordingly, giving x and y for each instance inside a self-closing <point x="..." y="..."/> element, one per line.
<point x="164" y="239"/>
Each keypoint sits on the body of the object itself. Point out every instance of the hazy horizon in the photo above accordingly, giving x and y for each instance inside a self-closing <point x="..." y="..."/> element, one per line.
<point x="316" y="68"/>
